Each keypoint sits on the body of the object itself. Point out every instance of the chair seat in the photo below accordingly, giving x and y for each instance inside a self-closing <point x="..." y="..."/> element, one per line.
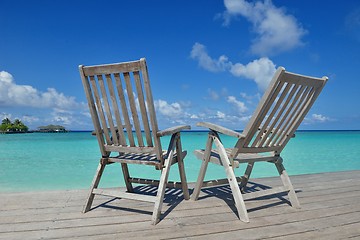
<point x="240" y="158"/>
<point x="142" y="158"/>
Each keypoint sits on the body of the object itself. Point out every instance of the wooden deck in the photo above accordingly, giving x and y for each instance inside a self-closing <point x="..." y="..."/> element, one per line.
<point x="330" y="210"/>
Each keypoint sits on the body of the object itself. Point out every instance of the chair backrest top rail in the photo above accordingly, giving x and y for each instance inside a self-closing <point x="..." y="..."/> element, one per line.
<point x="132" y="66"/>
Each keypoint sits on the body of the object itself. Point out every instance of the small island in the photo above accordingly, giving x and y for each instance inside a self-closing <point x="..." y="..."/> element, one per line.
<point x="8" y="127"/>
<point x="52" y="129"/>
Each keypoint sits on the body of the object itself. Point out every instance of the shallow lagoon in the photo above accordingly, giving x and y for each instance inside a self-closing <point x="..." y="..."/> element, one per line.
<point x="56" y="161"/>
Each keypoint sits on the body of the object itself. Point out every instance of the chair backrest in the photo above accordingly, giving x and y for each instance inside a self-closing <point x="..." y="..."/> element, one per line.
<point x="122" y="107"/>
<point x="281" y="110"/>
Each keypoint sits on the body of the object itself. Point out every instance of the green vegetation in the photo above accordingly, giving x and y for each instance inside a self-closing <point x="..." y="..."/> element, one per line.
<point x="13" y="127"/>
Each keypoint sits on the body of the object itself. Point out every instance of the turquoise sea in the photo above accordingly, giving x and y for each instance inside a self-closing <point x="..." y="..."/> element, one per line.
<point x="59" y="161"/>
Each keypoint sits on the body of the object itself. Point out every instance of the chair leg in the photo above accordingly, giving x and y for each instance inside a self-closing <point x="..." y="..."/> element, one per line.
<point x="287" y="183"/>
<point x="94" y="185"/>
<point x="201" y="176"/>
<point x="246" y="176"/>
<point x="126" y="174"/>
<point x="239" y="201"/>
<point x="163" y="181"/>
<point x="180" y="161"/>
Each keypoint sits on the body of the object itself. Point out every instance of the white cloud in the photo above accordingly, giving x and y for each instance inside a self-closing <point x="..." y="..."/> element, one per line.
<point x="4" y="115"/>
<point x="213" y="95"/>
<point x="30" y="119"/>
<point x="240" y="106"/>
<point x="199" y="53"/>
<point x="12" y="94"/>
<point x="45" y="107"/>
<point x="319" y="118"/>
<point x="276" y="30"/>
<point x="220" y="115"/>
<point x="170" y="110"/>
<point x="194" y="116"/>
<point x="260" y="70"/>
<point x="250" y="98"/>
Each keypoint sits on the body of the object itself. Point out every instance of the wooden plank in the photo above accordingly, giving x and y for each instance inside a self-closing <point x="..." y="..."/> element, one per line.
<point x="154" y="182"/>
<point x="306" y="80"/>
<point x="151" y="107"/>
<point x="239" y="201"/>
<point x="163" y="180"/>
<point x="276" y="124"/>
<point x="126" y="175"/>
<point x="205" y="160"/>
<point x="172" y="130"/>
<point x="121" y="139"/>
<point x="133" y="109"/>
<point x="111" y="68"/>
<point x="100" y="110"/>
<point x="266" y="192"/>
<point x="298" y="117"/>
<point x="119" y="87"/>
<point x="144" y="159"/>
<point x="263" y="100"/>
<point x="122" y="149"/>
<point x="291" y="107"/>
<point x="306" y="110"/>
<point x="329" y="201"/>
<point x="220" y="129"/>
<point x="180" y="161"/>
<point x="119" y="194"/>
<point x="260" y="111"/>
<point x="108" y="112"/>
<point x="291" y="116"/>
<point x="260" y="134"/>
<point x="143" y="109"/>
<point x="92" y="108"/>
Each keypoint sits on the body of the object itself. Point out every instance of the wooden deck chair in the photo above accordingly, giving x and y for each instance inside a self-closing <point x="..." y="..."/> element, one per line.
<point x="123" y="113"/>
<point x="281" y="110"/>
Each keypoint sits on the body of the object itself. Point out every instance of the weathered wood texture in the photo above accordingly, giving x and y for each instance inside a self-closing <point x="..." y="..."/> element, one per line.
<point x="127" y="92"/>
<point x="330" y="210"/>
<point x="281" y="110"/>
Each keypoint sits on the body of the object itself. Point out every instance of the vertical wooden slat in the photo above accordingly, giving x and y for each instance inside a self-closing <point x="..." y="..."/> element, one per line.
<point x="151" y="108"/>
<point x="279" y="116"/>
<point x="270" y="117"/>
<point x="142" y="105"/>
<point x="291" y="107"/>
<point x="249" y="129"/>
<point x="92" y="107"/>
<point x="100" y="109"/>
<point x="115" y="107"/>
<point x="133" y="109"/>
<point x="263" y="111"/>
<point x="124" y="109"/>
<point x="293" y="113"/>
<point x="316" y="93"/>
<point x="204" y="165"/>
<point x="107" y="110"/>
<point x="297" y="117"/>
<point x="181" y="166"/>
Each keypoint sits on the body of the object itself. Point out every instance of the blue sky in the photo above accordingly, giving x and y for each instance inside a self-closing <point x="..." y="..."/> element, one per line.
<point x="207" y="60"/>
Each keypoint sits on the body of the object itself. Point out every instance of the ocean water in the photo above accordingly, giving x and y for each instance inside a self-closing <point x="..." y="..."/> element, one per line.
<point x="59" y="161"/>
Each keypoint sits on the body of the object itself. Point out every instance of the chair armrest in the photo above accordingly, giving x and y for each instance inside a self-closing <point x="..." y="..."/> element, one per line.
<point x="172" y="130"/>
<point x="220" y="129"/>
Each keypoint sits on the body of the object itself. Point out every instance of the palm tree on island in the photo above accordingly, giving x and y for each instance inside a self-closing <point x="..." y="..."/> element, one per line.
<point x="13" y="127"/>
